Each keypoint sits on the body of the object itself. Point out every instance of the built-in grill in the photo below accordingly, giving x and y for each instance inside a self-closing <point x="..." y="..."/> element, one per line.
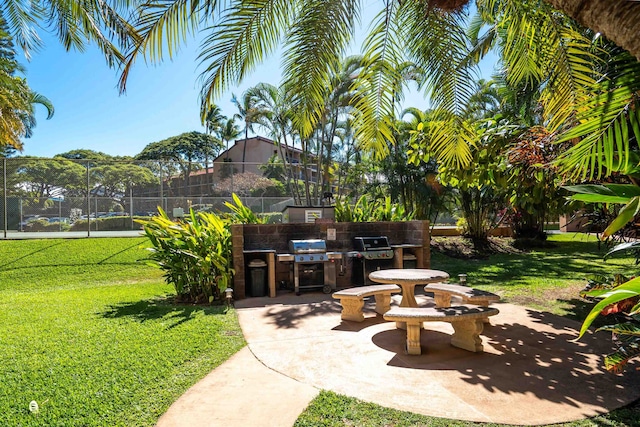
<point x="371" y="254"/>
<point x="312" y="265"/>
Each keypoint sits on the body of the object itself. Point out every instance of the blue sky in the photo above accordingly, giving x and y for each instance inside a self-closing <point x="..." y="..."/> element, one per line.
<point x="161" y="100"/>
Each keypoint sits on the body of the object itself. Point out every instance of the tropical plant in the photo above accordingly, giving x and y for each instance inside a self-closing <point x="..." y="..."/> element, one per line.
<point x="623" y="296"/>
<point x="414" y="184"/>
<point x="365" y="210"/>
<point x="17" y="100"/>
<point x="194" y="254"/>
<point x="620" y="297"/>
<point x="248" y="112"/>
<point x="481" y="188"/>
<point x="241" y="213"/>
<point x="533" y="181"/>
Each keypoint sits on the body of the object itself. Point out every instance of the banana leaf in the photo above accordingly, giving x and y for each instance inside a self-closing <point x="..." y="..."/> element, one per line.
<point x="623" y="247"/>
<point x="607" y="193"/>
<point x="627" y="290"/>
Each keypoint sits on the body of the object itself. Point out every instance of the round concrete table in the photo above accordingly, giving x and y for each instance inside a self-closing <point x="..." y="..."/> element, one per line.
<point x="407" y="279"/>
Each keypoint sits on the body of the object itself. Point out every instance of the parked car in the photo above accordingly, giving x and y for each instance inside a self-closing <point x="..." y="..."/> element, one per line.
<point x="64" y="220"/>
<point x="110" y="214"/>
<point x="27" y="219"/>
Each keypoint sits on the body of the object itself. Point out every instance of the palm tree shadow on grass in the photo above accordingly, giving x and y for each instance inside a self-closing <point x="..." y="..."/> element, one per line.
<point x="42" y="249"/>
<point x="165" y="308"/>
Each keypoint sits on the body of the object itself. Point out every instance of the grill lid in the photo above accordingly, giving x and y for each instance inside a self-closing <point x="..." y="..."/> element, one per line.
<point x="377" y="243"/>
<point x="307" y="246"/>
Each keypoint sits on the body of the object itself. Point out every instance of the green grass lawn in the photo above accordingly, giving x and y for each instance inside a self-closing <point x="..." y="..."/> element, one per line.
<point x="548" y="280"/>
<point x="545" y="279"/>
<point x="87" y="332"/>
<point x="333" y="410"/>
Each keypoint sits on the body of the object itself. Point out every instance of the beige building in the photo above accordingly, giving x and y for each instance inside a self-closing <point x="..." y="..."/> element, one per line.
<point x="258" y="151"/>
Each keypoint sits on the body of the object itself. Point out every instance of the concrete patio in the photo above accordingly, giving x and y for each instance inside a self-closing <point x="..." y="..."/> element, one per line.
<point x="530" y="372"/>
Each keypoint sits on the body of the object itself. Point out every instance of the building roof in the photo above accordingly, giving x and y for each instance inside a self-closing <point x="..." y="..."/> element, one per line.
<point x="238" y="142"/>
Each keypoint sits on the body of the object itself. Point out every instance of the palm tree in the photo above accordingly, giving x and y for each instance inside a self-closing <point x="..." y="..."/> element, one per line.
<point x="76" y="23"/>
<point x="213" y="120"/>
<point x="17" y="100"/>
<point x="246" y="111"/>
<point x="228" y="131"/>
<point x="273" y="113"/>
<point x="315" y="33"/>
<point x="339" y="97"/>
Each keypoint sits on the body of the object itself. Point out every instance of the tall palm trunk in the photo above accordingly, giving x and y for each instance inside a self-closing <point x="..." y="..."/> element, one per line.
<point x="244" y="147"/>
<point x="616" y="19"/>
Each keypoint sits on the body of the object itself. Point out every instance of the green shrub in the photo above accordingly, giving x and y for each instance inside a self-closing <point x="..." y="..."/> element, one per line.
<point x="365" y="210"/>
<point x="113" y="223"/>
<point x="271" y="217"/>
<point x="44" y="225"/>
<point x="194" y="253"/>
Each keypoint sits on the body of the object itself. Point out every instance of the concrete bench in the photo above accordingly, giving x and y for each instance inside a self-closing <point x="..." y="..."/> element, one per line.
<point x="442" y="293"/>
<point x="467" y="323"/>
<point x="352" y="300"/>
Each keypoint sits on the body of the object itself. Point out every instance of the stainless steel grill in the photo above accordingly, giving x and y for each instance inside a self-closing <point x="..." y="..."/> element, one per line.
<point x="312" y="265"/>
<point x="371" y="254"/>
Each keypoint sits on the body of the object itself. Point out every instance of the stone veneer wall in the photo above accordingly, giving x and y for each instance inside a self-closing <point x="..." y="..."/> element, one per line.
<point x="277" y="236"/>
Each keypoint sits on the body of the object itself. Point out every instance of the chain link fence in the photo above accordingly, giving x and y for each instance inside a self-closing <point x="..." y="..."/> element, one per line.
<point x="62" y="195"/>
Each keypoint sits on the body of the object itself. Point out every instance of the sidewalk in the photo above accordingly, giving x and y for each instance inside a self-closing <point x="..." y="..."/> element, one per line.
<point x="530" y="373"/>
<point x="240" y="392"/>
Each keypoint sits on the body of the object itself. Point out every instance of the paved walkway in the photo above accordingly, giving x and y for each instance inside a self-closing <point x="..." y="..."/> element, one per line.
<point x="531" y="372"/>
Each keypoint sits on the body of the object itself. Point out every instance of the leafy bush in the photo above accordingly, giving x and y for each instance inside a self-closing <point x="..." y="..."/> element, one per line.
<point x="271" y="217"/>
<point x="618" y="297"/>
<point x="196" y="253"/>
<point x="367" y="211"/>
<point x="113" y="223"/>
<point x="621" y="296"/>
<point x="44" y="225"/>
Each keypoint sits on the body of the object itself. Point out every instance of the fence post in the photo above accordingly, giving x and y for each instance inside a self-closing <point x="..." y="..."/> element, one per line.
<point x="161" y="186"/>
<point x="4" y="194"/>
<point x="88" y="202"/>
<point x="131" y="204"/>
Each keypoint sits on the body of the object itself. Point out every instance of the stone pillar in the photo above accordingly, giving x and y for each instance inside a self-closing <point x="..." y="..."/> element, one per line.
<point x="426" y="246"/>
<point x="237" y="248"/>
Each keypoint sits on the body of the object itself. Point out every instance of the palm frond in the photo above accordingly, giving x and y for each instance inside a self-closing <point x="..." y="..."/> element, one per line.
<point x="97" y="21"/>
<point x="541" y="47"/>
<point x="450" y="141"/>
<point x="481" y="44"/>
<point x="160" y="25"/>
<point x="314" y="48"/>
<point x="246" y="34"/>
<point x="440" y="47"/>
<point x="379" y="83"/>
<point x="22" y="17"/>
<point x="607" y="122"/>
